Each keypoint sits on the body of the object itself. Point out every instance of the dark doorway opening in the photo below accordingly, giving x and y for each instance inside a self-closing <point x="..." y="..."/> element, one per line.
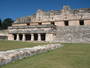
<point x="53" y="23"/>
<point x="20" y="36"/>
<point x="15" y="36"/>
<point x="66" y="23"/>
<point x="81" y="22"/>
<point x="28" y="37"/>
<point x="35" y="37"/>
<point x="43" y="35"/>
<point x="28" y="24"/>
<point x="39" y="23"/>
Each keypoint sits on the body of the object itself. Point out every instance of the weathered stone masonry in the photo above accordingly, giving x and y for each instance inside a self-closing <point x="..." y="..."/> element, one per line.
<point x="66" y="25"/>
<point x="73" y="34"/>
<point x="16" y="54"/>
<point x="31" y="34"/>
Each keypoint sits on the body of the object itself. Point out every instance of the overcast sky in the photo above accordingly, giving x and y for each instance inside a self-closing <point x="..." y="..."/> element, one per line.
<point x="19" y="8"/>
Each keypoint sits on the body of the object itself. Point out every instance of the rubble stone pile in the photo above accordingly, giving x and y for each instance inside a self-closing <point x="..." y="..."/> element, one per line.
<point x="13" y="55"/>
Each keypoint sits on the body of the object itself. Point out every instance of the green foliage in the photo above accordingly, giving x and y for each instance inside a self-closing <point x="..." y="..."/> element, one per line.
<point x="5" y="23"/>
<point x="0" y="24"/>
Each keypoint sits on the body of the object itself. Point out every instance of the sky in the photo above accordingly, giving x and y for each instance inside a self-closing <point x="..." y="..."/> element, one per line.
<point x="19" y="8"/>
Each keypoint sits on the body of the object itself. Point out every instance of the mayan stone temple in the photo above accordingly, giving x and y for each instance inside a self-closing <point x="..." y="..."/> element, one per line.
<point x="66" y="25"/>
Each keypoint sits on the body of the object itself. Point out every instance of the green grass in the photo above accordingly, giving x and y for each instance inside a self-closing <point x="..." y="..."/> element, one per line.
<point x="8" y="45"/>
<point x="69" y="56"/>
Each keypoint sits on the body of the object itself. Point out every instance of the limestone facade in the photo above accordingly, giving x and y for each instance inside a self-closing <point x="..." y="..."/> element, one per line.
<point x="66" y="25"/>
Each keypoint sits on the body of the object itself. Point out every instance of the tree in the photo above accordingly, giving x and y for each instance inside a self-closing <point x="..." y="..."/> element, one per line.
<point x="0" y="24"/>
<point x="7" y="22"/>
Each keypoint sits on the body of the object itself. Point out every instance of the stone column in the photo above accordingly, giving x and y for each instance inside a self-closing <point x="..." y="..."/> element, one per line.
<point x="39" y="37"/>
<point x="32" y="37"/>
<point x="23" y="38"/>
<point x="17" y="37"/>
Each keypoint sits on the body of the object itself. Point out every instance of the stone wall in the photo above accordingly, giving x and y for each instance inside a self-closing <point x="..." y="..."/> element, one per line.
<point x="73" y="34"/>
<point x="10" y="37"/>
<point x="87" y="22"/>
<point x="49" y="37"/>
<point x="19" y="24"/>
<point x="74" y="23"/>
<point x="13" y="55"/>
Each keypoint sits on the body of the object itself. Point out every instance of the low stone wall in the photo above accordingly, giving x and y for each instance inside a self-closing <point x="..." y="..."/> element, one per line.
<point x="13" y="55"/>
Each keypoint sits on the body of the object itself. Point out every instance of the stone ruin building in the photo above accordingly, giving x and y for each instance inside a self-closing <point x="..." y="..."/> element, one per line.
<point x="66" y="25"/>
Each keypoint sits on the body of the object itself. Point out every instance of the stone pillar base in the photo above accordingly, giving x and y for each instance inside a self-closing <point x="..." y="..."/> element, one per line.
<point x="24" y="38"/>
<point x="17" y="37"/>
<point x="32" y="37"/>
<point x="39" y="37"/>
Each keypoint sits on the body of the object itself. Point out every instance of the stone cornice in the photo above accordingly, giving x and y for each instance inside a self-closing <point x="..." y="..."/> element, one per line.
<point x="33" y="26"/>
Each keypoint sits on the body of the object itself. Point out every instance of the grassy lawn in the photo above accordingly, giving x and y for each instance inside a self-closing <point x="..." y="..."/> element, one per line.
<point x="8" y="45"/>
<point x="69" y="56"/>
